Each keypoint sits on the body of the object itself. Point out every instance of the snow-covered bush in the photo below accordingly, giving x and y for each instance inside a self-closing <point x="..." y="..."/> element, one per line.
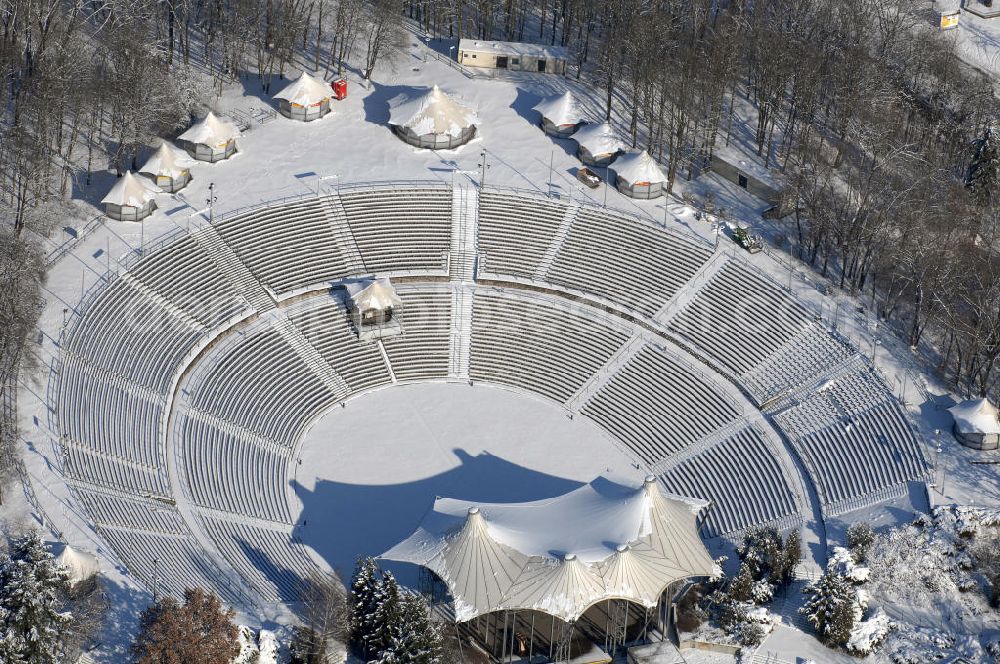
<point x="868" y="634"/>
<point x="248" y="647"/>
<point x="267" y="647"/>
<point x="843" y="562"/>
<point x="761" y="592"/>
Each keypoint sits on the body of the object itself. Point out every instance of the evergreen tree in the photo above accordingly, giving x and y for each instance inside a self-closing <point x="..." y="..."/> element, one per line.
<point x="741" y="587"/>
<point x="983" y="176"/>
<point x="830" y="608"/>
<point x="363" y="588"/>
<point x="414" y="638"/>
<point x="385" y="616"/>
<point x="32" y="593"/>
<point x="860" y="538"/>
<point x="791" y="556"/>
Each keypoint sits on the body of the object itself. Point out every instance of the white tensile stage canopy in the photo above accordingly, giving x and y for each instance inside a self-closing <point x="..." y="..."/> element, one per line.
<point x="562" y="555"/>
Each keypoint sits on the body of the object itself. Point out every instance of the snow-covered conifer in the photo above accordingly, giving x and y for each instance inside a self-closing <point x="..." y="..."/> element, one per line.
<point x="831" y="608"/>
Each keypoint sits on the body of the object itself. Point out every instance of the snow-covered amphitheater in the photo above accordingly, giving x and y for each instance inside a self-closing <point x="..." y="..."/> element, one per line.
<point x="203" y="392"/>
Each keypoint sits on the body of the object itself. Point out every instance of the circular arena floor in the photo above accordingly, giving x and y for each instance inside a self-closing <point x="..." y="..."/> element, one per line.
<point x="387" y="454"/>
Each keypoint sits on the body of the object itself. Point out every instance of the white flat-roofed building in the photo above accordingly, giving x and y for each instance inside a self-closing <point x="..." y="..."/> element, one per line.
<point x="515" y="56"/>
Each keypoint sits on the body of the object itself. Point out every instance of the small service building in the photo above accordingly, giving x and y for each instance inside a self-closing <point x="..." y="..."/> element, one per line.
<point x="432" y="119"/>
<point x="210" y="139"/>
<point x="977" y="424"/>
<point x="131" y="199"/>
<point x="306" y="98"/>
<point x="169" y="168"/>
<point x="514" y="56"/>
<point x="639" y="176"/>
<point x="560" y="115"/>
<point x="598" y="144"/>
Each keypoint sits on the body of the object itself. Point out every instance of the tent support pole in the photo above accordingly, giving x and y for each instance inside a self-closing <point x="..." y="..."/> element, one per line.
<point x="531" y="641"/>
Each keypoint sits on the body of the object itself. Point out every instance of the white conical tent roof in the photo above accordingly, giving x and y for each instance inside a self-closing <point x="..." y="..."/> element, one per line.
<point x="210" y="130"/>
<point x="79" y="564"/>
<point x="560" y="110"/>
<point x="131" y="191"/>
<point x="598" y="139"/>
<point x="432" y="112"/>
<point x="976" y="416"/>
<point x="559" y="555"/>
<point x="306" y="90"/>
<point x="167" y="161"/>
<point x="562" y="588"/>
<point x="374" y="294"/>
<point x="638" y="168"/>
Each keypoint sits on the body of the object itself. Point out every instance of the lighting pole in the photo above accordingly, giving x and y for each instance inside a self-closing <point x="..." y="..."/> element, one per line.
<point x="607" y="182"/>
<point x="874" y="340"/>
<point x="483" y="165"/>
<point x="552" y="154"/>
<point x="212" y="198"/>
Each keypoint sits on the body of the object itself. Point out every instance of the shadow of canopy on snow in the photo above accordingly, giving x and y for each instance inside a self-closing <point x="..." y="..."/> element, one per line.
<point x="344" y="521"/>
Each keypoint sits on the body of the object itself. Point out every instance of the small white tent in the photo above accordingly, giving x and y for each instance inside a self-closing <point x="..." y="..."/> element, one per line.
<point x="560" y="115"/>
<point x="210" y="139"/>
<point x="976" y="424"/>
<point x="79" y="564"/>
<point x="373" y="305"/>
<point x="169" y="168"/>
<point x="131" y="199"/>
<point x="639" y="176"/>
<point x="599" y="145"/>
<point x="306" y="98"/>
<point x="432" y="120"/>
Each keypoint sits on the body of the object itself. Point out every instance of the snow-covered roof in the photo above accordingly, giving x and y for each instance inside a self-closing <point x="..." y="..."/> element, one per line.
<point x="976" y="416"/>
<point x="210" y="130"/>
<point x="168" y="161"/>
<point x="306" y="90"/>
<point x="598" y="139"/>
<point x="431" y="112"/>
<point x="560" y="110"/>
<point x="373" y="294"/>
<point x="514" y="48"/>
<point x="131" y="191"/>
<point x="637" y="167"/>
<point x="559" y="555"/>
<point x="80" y="564"/>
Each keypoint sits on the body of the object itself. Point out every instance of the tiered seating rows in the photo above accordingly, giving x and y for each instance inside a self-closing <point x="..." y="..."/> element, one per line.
<point x="625" y="260"/>
<point x="261" y="384"/>
<point x="515" y="232"/>
<point x="742" y="478"/>
<point x="228" y="473"/>
<point x="657" y="406"/>
<point x="422" y="351"/>
<point x="289" y="246"/>
<point x="328" y="329"/>
<point x="129" y="334"/>
<point x="184" y="274"/>
<point x="740" y="319"/>
<point x="267" y="560"/>
<point x="536" y="347"/>
<point x="400" y="229"/>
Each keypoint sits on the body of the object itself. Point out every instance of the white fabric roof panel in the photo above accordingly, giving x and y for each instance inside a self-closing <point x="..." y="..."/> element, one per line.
<point x="306" y="90"/>
<point x="80" y="564"/>
<point x="977" y="416"/>
<point x="131" y="191"/>
<point x="638" y="167"/>
<point x="431" y="112"/>
<point x="560" y="110"/>
<point x="210" y="130"/>
<point x="168" y="161"/>
<point x="373" y="294"/>
<point x="559" y="555"/>
<point x="598" y="139"/>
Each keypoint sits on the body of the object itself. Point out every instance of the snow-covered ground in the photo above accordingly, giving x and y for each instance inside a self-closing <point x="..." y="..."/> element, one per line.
<point x="468" y="442"/>
<point x="449" y="455"/>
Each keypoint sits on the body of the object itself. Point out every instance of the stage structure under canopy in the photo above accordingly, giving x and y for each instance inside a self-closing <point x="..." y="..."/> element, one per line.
<point x="374" y="307"/>
<point x="598" y="544"/>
